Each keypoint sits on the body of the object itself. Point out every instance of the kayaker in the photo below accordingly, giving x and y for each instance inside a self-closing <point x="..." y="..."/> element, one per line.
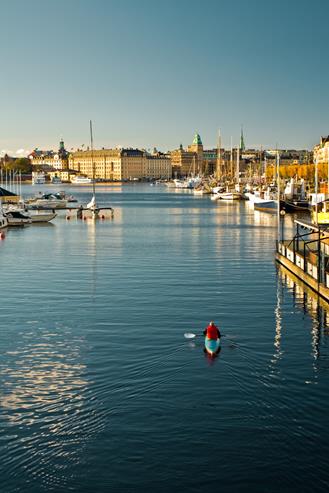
<point x="212" y="331"/>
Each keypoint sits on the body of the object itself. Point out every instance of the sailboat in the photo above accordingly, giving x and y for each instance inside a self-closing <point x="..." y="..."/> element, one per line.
<point x="271" y="197"/>
<point x="92" y="205"/>
<point x="231" y="194"/>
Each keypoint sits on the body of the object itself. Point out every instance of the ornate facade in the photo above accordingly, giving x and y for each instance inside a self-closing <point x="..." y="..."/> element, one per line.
<point x="190" y="161"/>
<point x="52" y="159"/>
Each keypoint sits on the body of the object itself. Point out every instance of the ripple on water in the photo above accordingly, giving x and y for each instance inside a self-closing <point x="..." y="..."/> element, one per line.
<point x="47" y="410"/>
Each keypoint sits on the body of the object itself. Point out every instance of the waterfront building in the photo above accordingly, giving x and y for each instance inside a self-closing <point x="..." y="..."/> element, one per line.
<point x="191" y="161"/>
<point x="50" y="159"/>
<point x="210" y="161"/>
<point x="321" y="151"/>
<point x="63" y="175"/>
<point x="121" y="164"/>
<point x="197" y="148"/>
<point x="158" y="165"/>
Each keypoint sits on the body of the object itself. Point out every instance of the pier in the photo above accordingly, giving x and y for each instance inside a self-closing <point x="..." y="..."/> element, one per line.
<point x="306" y="255"/>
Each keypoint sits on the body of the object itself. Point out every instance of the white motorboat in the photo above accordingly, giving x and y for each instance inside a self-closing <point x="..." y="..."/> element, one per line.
<point x="188" y="183"/>
<point x="263" y="200"/>
<point x="229" y="195"/>
<point x="38" y="178"/>
<point x="81" y="180"/>
<point x="48" y="201"/>
<point x="15" y="213"/>
<point x="41" y="217"/>
<point x="265" y="205"/>
<point x="17" y="218"/>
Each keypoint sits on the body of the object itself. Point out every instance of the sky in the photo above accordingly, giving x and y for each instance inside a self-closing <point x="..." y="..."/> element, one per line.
<point x="151" y="73"/>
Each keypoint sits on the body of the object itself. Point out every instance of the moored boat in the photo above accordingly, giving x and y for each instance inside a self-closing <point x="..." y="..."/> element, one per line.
<point x="41" y="217"/>
<point x="17" y="218"/>
<point x="230" y="196"/>
<point x="38" y="178"/>
<point x="47" y="201"/>
<point x="295" y="205"/>
<point x="81" y="180"/>
<point x="265" y="205"/>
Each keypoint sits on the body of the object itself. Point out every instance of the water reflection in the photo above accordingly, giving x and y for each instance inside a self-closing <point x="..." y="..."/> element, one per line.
<point x="278" y="322"/>
<point x="44" y="391"/>
<point x="307" y="300"/>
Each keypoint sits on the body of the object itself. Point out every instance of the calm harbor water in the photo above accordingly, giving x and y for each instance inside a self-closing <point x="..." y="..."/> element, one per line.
<point x="101" y="392"/>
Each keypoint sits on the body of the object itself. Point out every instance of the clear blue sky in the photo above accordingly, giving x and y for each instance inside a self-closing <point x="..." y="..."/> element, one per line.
<point x="151" y="73"/>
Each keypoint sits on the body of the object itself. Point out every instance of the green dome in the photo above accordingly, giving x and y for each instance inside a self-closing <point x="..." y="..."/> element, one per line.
<point x="197" y="139"/>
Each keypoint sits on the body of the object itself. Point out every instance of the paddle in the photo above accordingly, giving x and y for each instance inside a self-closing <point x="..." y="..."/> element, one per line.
<point x="190" y="335"/>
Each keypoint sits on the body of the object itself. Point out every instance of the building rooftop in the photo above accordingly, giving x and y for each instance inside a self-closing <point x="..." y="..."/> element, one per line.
<point x="197" y="139"/>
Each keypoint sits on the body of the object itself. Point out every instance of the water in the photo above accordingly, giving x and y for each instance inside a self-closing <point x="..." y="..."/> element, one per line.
<point x="101" y="392"/>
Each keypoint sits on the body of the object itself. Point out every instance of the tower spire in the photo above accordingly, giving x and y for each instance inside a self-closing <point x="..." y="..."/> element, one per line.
<point x="242" y="145"/>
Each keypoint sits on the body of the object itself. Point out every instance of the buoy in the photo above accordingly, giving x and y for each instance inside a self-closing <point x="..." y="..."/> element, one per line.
<point x="2" y="235"/>
<point x="102" y="216"/>
<point x="68" y="217"/>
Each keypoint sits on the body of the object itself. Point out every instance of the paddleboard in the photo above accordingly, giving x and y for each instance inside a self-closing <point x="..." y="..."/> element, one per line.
<point x="212" y="346"/>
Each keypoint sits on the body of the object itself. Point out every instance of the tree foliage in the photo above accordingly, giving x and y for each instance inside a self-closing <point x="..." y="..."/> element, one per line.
<point x="306" y="171"/>
<point x="22" y="164"/>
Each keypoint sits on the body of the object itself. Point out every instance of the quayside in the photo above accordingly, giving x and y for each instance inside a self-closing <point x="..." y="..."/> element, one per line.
<point x="306" y="255"/>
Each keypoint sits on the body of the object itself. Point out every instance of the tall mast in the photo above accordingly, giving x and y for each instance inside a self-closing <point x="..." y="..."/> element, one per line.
<point x="259" y="174"/>
<point x="219" y="156"/>
<point x="231" y="160"/>
<point x="92" y="155"/>
<point x="237" y="165"/>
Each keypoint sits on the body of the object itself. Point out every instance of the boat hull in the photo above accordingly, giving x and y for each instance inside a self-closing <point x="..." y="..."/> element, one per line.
<point x="295" y="205"/>
<point x="212" y="346"/>
<point x="266" y="206"/>
<point x="42" y="218"/>
<point x="230" y="196"/>
<point x="17" y="218"/>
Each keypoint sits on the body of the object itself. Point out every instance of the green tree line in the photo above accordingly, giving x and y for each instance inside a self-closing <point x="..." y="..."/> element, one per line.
<point x="22" y="164"/>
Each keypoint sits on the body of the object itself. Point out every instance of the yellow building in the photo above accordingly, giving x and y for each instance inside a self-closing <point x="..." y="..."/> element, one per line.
<point x="190" y="161"/>
<point x="158" y="165"/>
<point x="43" y="159"/>
<point x="107" y="163"/>
<point x="120" y="164"/>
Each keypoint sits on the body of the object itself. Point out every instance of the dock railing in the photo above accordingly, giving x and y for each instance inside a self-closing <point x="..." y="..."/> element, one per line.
<point x="308" y="250"/>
